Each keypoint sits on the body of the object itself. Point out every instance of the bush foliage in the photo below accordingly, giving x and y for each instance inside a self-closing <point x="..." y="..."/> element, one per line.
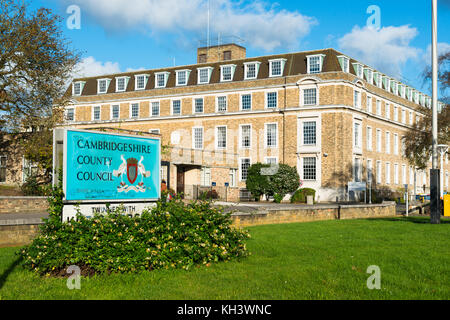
<point x="300" y="195"/>
<point x="171" y="235"/>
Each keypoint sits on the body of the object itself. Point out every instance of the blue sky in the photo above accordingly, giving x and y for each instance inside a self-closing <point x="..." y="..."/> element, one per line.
<point x="122" y="35"/>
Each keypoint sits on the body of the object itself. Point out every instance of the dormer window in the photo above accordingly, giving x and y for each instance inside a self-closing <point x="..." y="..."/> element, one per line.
<point x="315" y="63"/>
<point x="358" y="69"/>
<point x="70" y="114"/>
<point x="227" y="72"/>
<point x="161" y="79"/>
<point x="122" y="83"/>
<point x="377" y="79"/>
<point x="183" y="77"/>
<point x="401" y="89"/>
<point x="77" y="88"/>
<point x="386" y="83"/>
<point x="141" y="81"/>
<point x="394" y="87"/>
<point x="102" y="85"/>
<point x="251" y="70"/>
<point x="204" y="75"/>
<point x="369" y="75"/>
<point x="345" y="63"/>
<point x="276" y="67"/>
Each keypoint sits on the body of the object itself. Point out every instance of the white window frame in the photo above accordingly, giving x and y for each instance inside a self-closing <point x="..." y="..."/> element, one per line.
<point x="359" y="69"/>
<point x="387" y="110"/>
<point x="357" y="140"/>
<point x="257" y="66"/>
<point x="194" y="111"/>
<point x="387" y="138"/>
<point x="266" y="135"/>
<point x="166" y="78"/>
<point x="241" y="104"/>
<point x="217" y="137"/>
<point x="151" y="108"/>
<point x="187" y="74"/>
<point x="112" y="111"/>
<point x="378" y="108"/>
<point x="240" y="167"/>
<point x="315" y="168"/>
<point x="308" y="62"/>
<point x="67" y="114"/>
<point x="369" y="104"/>
<point x="241" y="146"/>
<point x="125" y="84"/>
<point x="369" y="138"/>
<point x="107" y="82"/>
<point x="282" y="65"/>
<point x="344" y="61"/>
<point x="267" y="99"/>
<point x="30" y="166"/>
<point x="395" y="113"/>
<point x="369" y="75"/>
<point x="171" y="107"/>
<point x="193" y="138"/>
<point x="81" y="83"/>
<point x="396" y="144"/>
<point x="232" y="71"/>
<point x="266" y="159"/>
<point x="379" y="169"/>
<point x="136" y="77"/>
<point x="302" y="95"/>
<point x="217" y="103"/>
<point x="99" y="114"/>
<point x="199" y="70"/>
<point x="357" y="96"/>
<point x="396" y="174"/>
<point x="131" y="110"/>
<point x="379" y="138"/>
<point x="388" y="172"/>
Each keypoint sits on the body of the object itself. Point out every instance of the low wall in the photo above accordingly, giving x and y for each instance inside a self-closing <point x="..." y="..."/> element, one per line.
<point x="23" y="204"/>
<point x="18" y="233"/>
<point x="313" y="213"/>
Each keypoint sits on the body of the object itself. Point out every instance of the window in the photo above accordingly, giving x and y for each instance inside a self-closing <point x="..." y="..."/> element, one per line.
<point x="141" y="81"/>
<point x="204" y="75"/>
<point x="134" y="110"/>
<point x="115" y="109"/>
<point x="121" y="83"/>
<point x="411" y="175"/>
<point x="161" y="79"/>
<point x="403" y="116"/>
<point x="369" y="75"/>
<point x="309" y="168"/>
<point x="388" y="110"/>
<point x="155" y="109"/>
<point x="222" y="104"/>
<point x="246" y="136"/>
<point x="395" y="144"/>
<point x="345" y="63"/>
<point x="176" y="107"/>
<point x="182" y="77"/>
<point x="227" y="55"/>
<point x="396" y="173"/>
<point x="29" y="169"/>
<point x="154" y="131"/>
<point x="221" y="137"/>
<point x="369" y="104"/>
<point x="388" y="143"/>
<point x="357" y="170"/>
<point x="395" y="113"/>
<point x="198" y="105"/>
<point x="357" y="135"/>
<point x="227" y="72"/>
<point x="271" y="160"/>
<point x="310" y="97"/>
<point x="314" y="63"/>
<point x="246" y="102"/>
<point x="276" y="67"/>
<point x="359" y="70"/>
<point x="198" y="138"/>
<point x="244" y="165"/>
<point x="378" y="108"/>
<point x="378" y="140"/>
<point x="404" y="174"/>
<point x="102" y="85"/>
<point x="251" y="70"/>
<point x="233" y="180"/>
<point x="271" y="135"/>
<point x="369" y="138"/>
<point x="96" y="113"/>
<point x="77" y="88"/>
<point x="70" y="115"/>
<point x="2" y="168"/>
<point x="357" y="99"/>
<point x="369" y="171"/>
<point x="388" y="173"/>
<point x="410" y="118"/>
<point x="205" y="177"/>
<point x="309" y="133"/>
<point x="378" y="172"/>
<point x="272" y="99"/>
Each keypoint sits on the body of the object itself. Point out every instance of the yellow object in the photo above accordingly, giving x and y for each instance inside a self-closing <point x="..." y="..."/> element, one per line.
<point x="447" y="205"/>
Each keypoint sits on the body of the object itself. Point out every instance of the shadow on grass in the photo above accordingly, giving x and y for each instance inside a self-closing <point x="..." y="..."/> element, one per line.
<point x="8" y="271"/>
<point x="420" y="220"/>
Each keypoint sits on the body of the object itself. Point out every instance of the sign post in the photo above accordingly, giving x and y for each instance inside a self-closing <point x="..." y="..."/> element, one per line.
<point x="104" y="170"/>
<point x="407" y="199"/>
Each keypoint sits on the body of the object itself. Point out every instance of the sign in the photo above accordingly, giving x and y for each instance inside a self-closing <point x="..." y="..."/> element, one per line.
<point x="356" y="186"/>
<point x="90" y="210"/>
<point x="104" y="167"/>
<point x="213" y="184"/>
<point x="227" y="184"/>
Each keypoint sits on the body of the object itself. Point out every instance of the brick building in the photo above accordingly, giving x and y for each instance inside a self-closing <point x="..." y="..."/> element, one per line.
<point x="334" y="118"/>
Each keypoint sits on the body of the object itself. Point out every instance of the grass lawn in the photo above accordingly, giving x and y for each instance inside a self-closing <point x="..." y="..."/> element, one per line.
<point x="317" y="260"/>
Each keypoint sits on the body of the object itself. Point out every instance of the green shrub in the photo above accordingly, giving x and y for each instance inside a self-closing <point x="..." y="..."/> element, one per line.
<point x="300" y="195"/>
<point x="171" y="235"/>
<point x="257" y="183"/>
<point x="284" y="181"/>
<point x="211" y="194"/>
<point x="277" y="198"/>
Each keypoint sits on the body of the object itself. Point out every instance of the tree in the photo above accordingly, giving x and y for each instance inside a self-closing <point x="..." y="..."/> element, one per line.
<point x="284" y="181"/>
<point x="257" y="183"/>
<point x="418" y="140"/>
<point x="36" y="66"/>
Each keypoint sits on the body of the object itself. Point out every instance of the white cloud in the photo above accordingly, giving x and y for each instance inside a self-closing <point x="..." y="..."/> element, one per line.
<point x="260" y="25"/>
<point x="442" y="48"/>
<point x="386" y="49"/>
<point x="89" y="67"/>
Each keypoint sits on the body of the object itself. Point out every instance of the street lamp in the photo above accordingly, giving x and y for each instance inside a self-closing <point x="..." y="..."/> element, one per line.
<point x="442" y="149"/>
